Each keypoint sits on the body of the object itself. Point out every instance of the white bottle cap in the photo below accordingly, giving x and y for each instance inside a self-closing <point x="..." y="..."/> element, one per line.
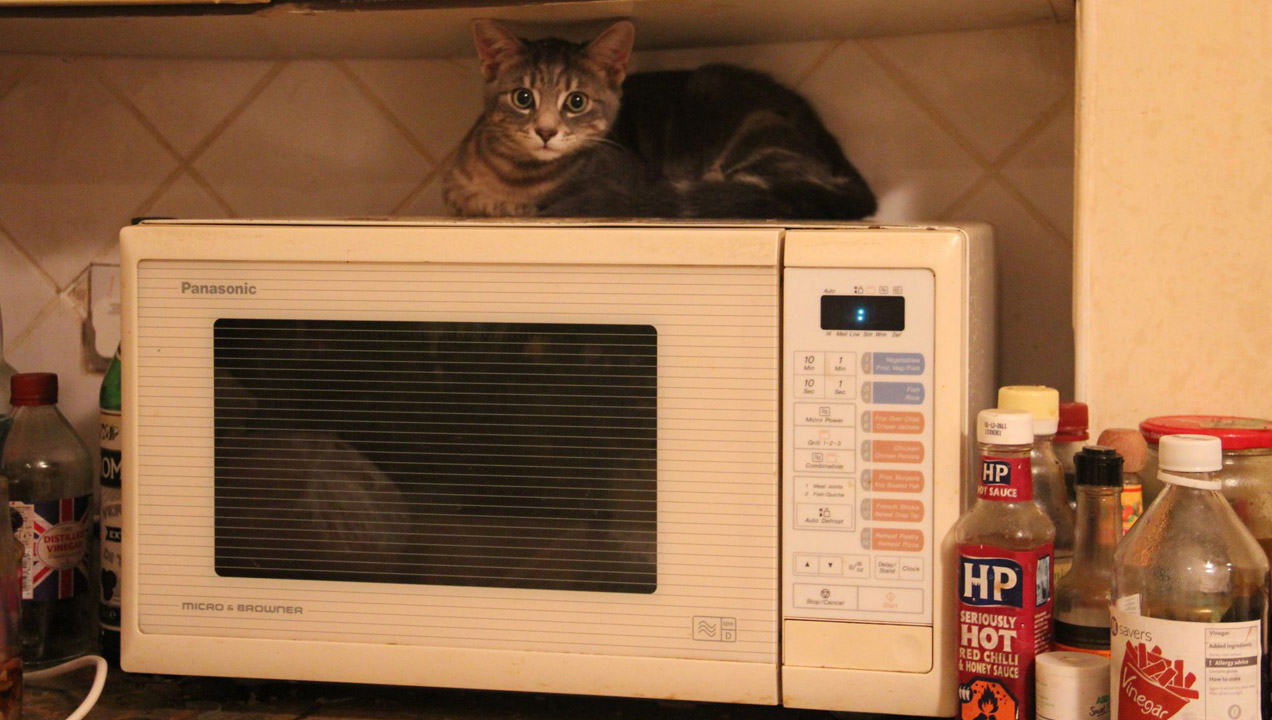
<point x="1004" y="427"/>
<point x="1072" y="685"/>
<point x="1190" y="453"/>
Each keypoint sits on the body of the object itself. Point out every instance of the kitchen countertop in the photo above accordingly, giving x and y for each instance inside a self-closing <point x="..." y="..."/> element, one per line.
<point x="153" y="697"/>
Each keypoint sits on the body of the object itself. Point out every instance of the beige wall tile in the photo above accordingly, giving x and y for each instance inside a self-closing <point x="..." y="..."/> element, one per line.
<point x="1043" y="171"/>
<point x="312" y="144"/>
<point x="437" y="101"/>
<point x="990" y="85"/>
<point x="75" y="166"/>
<point x="24" y="290"/>
<point x="915" y="167"/>
<point x="53" y="345"/>
<point x="1035" y="336"/>
<point x="185" y="100"/>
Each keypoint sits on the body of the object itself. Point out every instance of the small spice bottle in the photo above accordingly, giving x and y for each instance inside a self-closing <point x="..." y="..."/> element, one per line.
<point x="1131" y="446"/>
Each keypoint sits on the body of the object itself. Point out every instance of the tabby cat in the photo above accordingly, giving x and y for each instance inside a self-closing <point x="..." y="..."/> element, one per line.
<point x="717" y="142"/>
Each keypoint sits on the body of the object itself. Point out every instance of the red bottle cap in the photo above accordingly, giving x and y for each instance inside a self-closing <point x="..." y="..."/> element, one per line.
<point x="33" y="389"/>
<point x="1073" y="422"/>
<point x="1236" y="433"/>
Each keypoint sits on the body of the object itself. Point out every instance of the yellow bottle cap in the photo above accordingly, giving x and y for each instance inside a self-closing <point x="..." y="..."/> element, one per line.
<point x="1042" y="402"/>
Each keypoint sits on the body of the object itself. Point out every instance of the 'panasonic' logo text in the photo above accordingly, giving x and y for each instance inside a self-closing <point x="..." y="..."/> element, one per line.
<point x="189" y="288"/>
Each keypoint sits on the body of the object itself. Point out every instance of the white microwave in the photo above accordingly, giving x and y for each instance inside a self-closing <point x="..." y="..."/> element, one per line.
<point x="701" y="462"/>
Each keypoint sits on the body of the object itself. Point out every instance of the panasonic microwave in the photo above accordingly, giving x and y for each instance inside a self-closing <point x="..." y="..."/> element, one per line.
<point x="695" y="461"/>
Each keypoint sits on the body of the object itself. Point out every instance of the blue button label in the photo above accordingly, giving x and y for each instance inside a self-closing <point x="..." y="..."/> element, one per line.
<point x="898" y="363"/>
<point x="895" y="393"/>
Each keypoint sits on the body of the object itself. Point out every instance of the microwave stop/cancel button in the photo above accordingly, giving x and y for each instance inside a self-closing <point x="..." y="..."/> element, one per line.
<point x="825" y="597"/>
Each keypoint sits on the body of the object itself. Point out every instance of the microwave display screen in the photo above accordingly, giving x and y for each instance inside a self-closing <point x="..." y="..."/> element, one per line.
<point x="863" y="312"/>
<point x="514" y="455"/>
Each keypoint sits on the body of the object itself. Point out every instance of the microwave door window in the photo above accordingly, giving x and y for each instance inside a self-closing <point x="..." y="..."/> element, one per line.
<point x="518" y="455"/>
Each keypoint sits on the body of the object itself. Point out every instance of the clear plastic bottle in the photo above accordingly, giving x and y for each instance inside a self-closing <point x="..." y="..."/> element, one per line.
<point x="1071" y="437"/>
<point x="1043" y="403"/>
<point x="10" y="609"/>
<point x="6" y="371"/>
<point x="1082" y="595"/>
<point x="50" y="475"/>
<point x="1190" y="590"/>
<point x="110" y="404"/>
<point x="1004" y="585"/>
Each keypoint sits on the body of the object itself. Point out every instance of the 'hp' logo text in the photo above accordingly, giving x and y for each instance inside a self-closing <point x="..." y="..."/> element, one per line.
<point x="996" y="472"/>
<point x="991" y="581"/>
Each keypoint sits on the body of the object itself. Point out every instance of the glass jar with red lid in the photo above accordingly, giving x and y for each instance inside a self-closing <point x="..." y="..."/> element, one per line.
<point x="1247" y="463"/>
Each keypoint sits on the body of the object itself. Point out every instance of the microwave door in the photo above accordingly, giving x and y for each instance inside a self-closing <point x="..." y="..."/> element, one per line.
<point x="482" y="454"/>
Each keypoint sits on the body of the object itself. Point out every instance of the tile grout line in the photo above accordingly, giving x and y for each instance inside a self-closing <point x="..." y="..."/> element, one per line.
<point x="817" y="63"/>
<point x="385" y="111"/>
<point x="235" y="112"/>
<point x="183" y="164"/>
<point x="1048" y="116"/>
<point x="219" y="129"/>
<point x="897" y="75"/>
<point x="1036" y="128"/>
<point x="13" y="241"/>
<point x="432" y="175"/>
<point x="1013" y="150"/>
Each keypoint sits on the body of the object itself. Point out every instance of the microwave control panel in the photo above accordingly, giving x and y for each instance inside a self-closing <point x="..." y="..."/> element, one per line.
<point x="857" y="445"/>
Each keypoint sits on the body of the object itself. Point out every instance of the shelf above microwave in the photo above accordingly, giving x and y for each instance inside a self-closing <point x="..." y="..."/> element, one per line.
<point x="420" y="28"/>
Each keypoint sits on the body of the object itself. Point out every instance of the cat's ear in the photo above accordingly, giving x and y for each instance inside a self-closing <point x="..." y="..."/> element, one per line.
<point x="494" y="45"/>
<point x="612" y="49"/>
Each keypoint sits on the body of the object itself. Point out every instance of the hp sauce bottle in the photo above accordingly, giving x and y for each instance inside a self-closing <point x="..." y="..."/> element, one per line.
<point x="1005" y="556"/>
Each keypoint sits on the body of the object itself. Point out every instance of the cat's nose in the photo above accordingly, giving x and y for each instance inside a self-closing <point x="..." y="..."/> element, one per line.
<point x="545" y="133"/>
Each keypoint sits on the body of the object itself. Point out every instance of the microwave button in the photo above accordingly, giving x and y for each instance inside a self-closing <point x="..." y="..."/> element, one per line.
<point x="886" y="599"/>
<point x="912" y="568"/>
<point x="840" y="388"/>
<point x="857" y="566"/>
<point x="823" y="516"/>
<point x="825" y="597"/>
<point x="889" y="363"/>
<point x="810" y="386"/>
<point x="806" y="565"/>
<point x="842" y="364"/>
<point x="887" y="568"/>
<point x="824" y="414"/>
<point x="830" y="565"/>
<point x="810" y="363"/>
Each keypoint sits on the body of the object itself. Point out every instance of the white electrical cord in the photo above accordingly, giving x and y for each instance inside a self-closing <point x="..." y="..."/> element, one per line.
<point x="95" y="692"/>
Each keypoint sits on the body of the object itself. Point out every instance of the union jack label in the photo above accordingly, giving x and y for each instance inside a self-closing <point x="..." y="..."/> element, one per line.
<point x="54" y="535"/>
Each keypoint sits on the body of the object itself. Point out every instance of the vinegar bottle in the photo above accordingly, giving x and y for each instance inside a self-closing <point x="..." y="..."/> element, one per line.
<point x="1190" y="599"/>
<point x="50" y="476"/>
<point x="1004" y="584"/>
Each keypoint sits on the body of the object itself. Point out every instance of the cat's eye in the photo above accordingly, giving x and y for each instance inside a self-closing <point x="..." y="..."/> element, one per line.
<point x="522" y="98"/>
<point x="576" y="102"/>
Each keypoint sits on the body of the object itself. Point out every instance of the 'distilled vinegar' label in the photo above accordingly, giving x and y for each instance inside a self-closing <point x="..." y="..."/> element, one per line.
<point x="1004" y="622"/>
